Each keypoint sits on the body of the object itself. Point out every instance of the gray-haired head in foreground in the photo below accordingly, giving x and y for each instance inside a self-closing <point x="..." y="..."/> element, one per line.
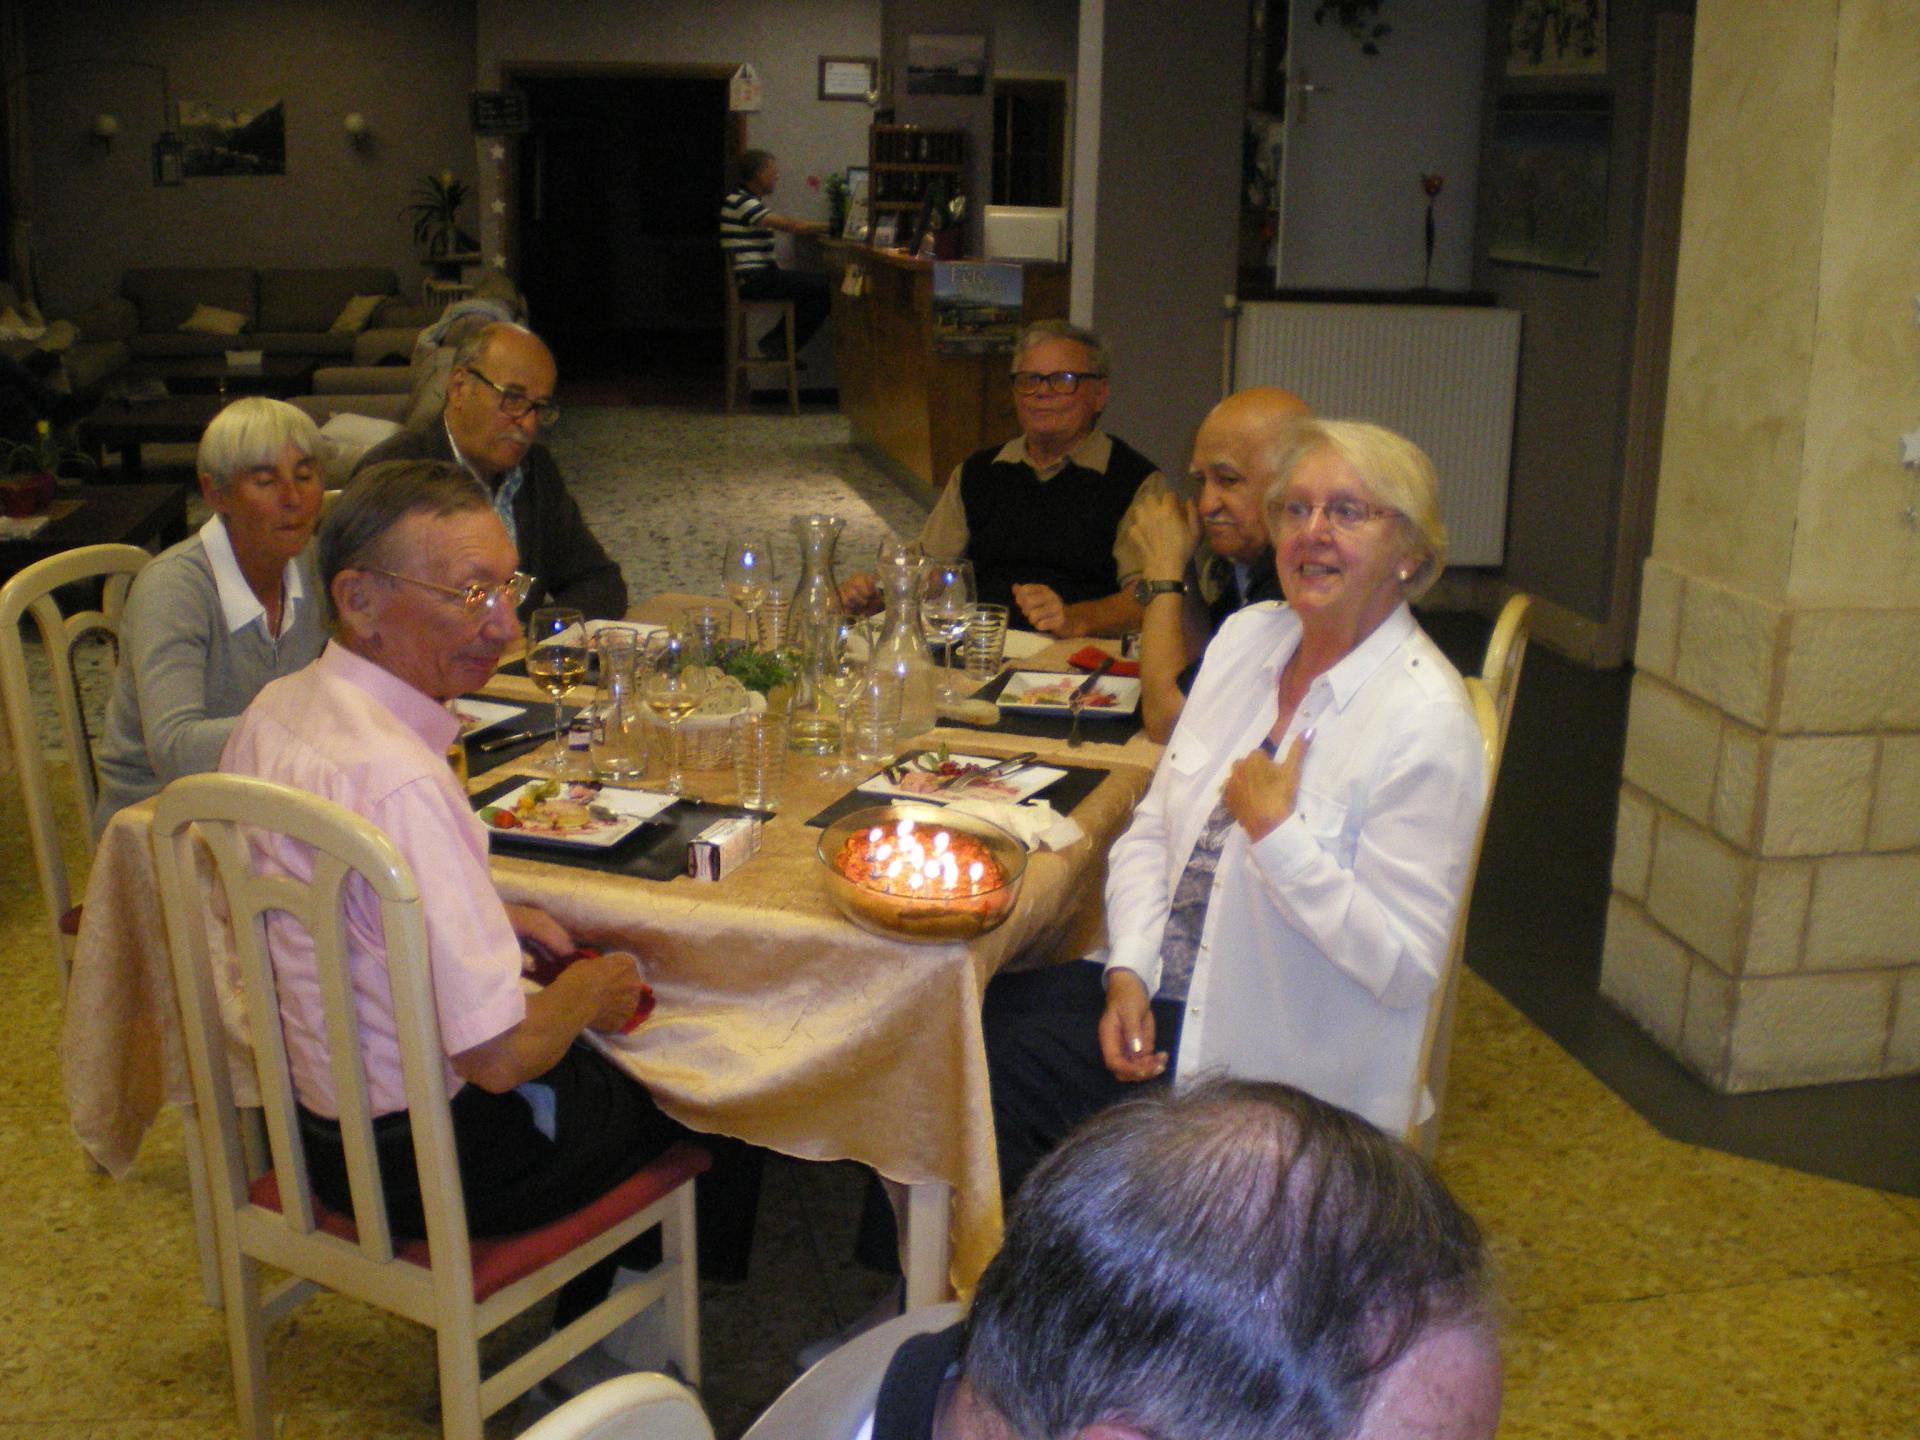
<point x="1241" y="1262"/>
<point x="1098" y="361"/>
<point x="252" y="432"/>
<point x="353" y="535"/>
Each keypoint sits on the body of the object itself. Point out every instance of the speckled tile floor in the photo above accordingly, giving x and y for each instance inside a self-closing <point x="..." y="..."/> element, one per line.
<point x="1654" y="1288"/>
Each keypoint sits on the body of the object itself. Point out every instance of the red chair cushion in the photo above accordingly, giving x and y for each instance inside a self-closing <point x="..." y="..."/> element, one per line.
<point x="500" y="1260"/>
<point x="70" y="922"/>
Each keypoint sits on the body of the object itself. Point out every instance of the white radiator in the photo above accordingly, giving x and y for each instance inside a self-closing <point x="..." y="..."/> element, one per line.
<point x="1441" y="375"/>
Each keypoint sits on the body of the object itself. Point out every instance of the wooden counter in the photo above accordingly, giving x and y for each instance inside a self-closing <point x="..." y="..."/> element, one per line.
<point x="928" y="411"/>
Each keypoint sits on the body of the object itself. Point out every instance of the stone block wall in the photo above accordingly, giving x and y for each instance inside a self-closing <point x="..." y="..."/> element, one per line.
<point x="1765" y="921"/>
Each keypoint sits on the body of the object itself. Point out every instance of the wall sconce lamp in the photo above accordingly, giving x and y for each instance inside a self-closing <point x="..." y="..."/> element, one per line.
<point x="359" y="133"/>
<point x="103" y="129"/>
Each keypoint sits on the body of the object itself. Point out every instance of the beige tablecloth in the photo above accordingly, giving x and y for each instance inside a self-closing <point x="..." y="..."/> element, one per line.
<point x="779" y="1022"/>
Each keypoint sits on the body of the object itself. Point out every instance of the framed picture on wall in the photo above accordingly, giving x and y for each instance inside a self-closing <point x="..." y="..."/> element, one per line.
<point x="1558" y="37"/>
<point x="946" y="64"/>
<point x="847" y="77"/>
<point x="1548" y="189"/>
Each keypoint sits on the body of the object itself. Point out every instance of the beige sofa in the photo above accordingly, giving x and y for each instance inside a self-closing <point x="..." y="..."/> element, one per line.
<point x="287" y="311"/>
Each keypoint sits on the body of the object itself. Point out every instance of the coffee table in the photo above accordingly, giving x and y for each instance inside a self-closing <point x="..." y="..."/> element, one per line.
<point x="276" y="375"/>
<point x="127" y="514"/>
<point x="126" y="425"/>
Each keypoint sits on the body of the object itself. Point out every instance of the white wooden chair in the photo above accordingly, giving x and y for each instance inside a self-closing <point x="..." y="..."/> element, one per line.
<point x="469" y="1286"/>
<point x="642" y="1406"/>
<point x="31" y="593"/>
<point x="835" y="1395"/>
<point x="1492" y="693"/>
<point x="746" y="320"/>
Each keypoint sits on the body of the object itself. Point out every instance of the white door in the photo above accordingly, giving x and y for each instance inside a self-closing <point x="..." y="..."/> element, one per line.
<point x="1361" y="131"/>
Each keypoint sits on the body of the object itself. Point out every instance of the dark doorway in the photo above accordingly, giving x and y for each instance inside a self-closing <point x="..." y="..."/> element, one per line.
<point x="1029" y="142"/>
<point x="619" y="181"/>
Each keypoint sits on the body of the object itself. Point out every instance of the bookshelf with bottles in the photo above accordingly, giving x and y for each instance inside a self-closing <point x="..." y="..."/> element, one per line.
<point x="908" y="165"/>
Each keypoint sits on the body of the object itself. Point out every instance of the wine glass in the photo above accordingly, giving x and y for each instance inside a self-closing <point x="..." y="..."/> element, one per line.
<point x="557" y="661"/>
<point x="746" y="573"/>
<point x="674" y="690"/>
<point x="841" y="670"/>
<point x="946" y="595"/>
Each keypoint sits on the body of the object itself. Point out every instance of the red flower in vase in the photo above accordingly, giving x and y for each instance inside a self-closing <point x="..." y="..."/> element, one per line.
<point x="1432" y="184"/>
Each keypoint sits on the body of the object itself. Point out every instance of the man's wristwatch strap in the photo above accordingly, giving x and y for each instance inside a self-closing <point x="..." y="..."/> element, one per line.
<point x="1145" y="590"/>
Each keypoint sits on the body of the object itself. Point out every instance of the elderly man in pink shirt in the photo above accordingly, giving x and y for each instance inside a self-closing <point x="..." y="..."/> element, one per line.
<point x="424" y="583"/>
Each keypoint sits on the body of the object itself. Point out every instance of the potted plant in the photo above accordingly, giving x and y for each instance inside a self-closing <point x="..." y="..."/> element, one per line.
<point x="33" y="467"/>
<point x="436" y="223"/>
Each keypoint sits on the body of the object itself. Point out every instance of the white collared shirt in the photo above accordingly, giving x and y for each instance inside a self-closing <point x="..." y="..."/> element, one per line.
<point x="1324" y="940"/>
<point x="510" y="484"/>
<point x="239" y="606"/>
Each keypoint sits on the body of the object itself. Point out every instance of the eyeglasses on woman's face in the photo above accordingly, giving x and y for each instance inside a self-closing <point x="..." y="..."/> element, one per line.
<point x="1345" y="515"/>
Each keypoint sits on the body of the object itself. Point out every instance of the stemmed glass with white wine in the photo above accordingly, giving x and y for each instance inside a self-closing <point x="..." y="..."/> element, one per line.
<point x="747" y="573"/>
<point x="556" y="662"/>
<point x="675" y="688"/>
<point x="946" y="595"/>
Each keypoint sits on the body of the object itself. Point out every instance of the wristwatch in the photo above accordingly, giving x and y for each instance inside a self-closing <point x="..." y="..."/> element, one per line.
<point x="1145" y="590"/>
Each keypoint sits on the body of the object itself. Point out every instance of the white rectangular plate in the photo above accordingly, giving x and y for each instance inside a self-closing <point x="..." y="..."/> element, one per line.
<point x="1042" y="692"/>
<point x="920" y="784"/>
<point x="477" y="714"/>
<point x="628" y="811"/>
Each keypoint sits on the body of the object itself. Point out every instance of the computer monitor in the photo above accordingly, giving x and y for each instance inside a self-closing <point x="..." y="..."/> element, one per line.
<point x="1025" y="232"/>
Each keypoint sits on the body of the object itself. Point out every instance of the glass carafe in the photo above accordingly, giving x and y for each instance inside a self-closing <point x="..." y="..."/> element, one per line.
<point x="812" y="629"/>
<point x="619" y="746"/>
<point x="902" y="649"/>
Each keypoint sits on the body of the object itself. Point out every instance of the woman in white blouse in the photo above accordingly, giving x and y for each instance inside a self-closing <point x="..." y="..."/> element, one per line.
<point x="1282" y="904"/>
<point x="217" y="616"/>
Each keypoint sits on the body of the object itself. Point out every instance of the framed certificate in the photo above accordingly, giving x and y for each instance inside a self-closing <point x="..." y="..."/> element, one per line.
<point x="846" y="77"/>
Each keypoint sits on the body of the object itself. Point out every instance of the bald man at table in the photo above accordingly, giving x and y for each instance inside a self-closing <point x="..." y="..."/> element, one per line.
<point x="424" y="582"/>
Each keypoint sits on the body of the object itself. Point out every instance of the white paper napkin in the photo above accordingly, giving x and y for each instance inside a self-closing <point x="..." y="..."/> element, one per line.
<point x="1025" y="644"/>
<point x="1037" y="825"/>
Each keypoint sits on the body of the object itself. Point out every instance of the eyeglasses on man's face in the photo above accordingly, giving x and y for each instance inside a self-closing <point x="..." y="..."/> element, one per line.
<point x="1054" y="382"/>
<point x="476" y="599"/>
<point x="515" y="402"/>
<point x="1343" y="516"/>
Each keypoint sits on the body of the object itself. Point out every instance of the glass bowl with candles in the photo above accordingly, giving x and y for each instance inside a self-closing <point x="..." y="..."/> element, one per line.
<point x="920" y="872"/>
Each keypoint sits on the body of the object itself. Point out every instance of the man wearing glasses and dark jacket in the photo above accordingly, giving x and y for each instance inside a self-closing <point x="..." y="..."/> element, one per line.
<point x="499" y="396"/>
<point x="1040" y="517"/>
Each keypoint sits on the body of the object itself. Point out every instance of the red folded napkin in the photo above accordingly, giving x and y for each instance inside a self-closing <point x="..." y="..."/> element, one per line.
<point x="1088" y="657"/>
<point x="545" y="968"/>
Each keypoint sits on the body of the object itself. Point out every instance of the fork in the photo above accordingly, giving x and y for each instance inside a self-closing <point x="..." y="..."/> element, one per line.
<point x="1078" y="699"/>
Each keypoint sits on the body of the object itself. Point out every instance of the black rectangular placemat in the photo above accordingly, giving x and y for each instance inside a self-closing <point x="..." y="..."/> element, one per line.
<point x="537" y="718"/>
<point x="1107" y="729"/>
<point x="1064" y="794"/>
<point x="656" y="851"/>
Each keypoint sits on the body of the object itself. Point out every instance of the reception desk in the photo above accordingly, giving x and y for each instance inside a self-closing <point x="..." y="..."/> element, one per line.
<point x="924" y="409"/>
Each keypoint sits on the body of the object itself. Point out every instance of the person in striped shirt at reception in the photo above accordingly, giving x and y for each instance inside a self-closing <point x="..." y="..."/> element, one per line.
<point x="746" y="233"/>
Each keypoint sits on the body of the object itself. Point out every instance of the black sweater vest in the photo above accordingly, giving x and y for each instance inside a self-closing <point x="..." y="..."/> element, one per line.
<point x="1022" y="530"/>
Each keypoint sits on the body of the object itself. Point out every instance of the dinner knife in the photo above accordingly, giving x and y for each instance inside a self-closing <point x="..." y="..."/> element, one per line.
<point x="502" y="742"/>
<point x="990" y="772"/>
<point x="1085" y="687"/>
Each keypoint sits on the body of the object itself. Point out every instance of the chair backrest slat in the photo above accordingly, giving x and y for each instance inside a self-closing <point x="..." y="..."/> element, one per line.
<point x="1492" y="694"/>
<point x="30" y="594"/>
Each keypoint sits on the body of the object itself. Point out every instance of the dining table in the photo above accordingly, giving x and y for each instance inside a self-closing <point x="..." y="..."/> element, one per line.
<point x="778" y="1022"/>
